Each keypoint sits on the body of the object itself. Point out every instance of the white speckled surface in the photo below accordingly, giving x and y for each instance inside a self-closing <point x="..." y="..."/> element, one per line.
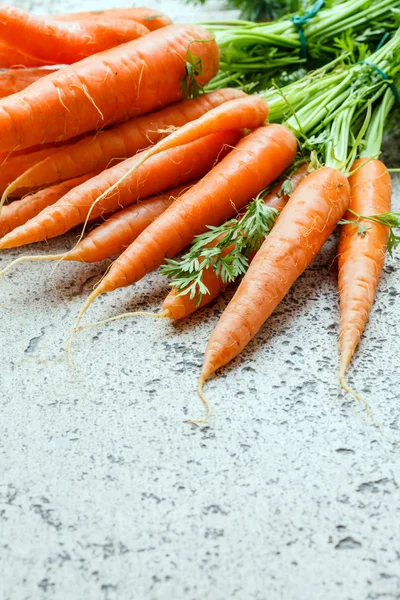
<point x="106" y="495"/>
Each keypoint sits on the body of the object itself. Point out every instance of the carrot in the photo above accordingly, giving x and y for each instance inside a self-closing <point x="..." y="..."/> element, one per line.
<point x="11" y="57"/>
<point x="121" y="83"/>
<point x="256" y="161"/>
<point x="169" y="169"/>
<point x="21" y="211"/>
<point x="122" y="141"/>
<point x="15" y="80"/>
<point x="66" y="42"/>
<point x="361" y="259"/>
<point x="177" y="306"/>
<point x="305" y="224"/>
<point x="150" y="18"/>
<point x="242" y="113"/>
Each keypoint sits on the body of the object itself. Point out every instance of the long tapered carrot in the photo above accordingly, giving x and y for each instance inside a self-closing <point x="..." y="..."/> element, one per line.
<point x="152" y="19"/>
<point x="122" y="141"/>
<point x="121" y="83"/>
<point x="164" y="171"/>
<point x="64" y="42"/>
<point x="19" y="212"/>
<point x="257" y="160"/>
<point x="15" y="80"/>
<point x="177" y="306"/>
<point x="305" y="224"/>
<point x="361" y="259"/>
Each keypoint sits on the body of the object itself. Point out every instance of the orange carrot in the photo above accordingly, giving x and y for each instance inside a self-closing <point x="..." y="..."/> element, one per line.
<point x="64" y="42"/>
<point x="256" y="161"/>
<point x="15" y="80"/>
<point x="21" y="211"/>
<point x="11" y="57"/>
<point x="121" y="83"/>
<point x="122" y="141"/>
<point x="150" y="18"/>
<point x="167" y="170"/>
<point x="305" y="224"/>
<point x="361" y="258"/>
<point x="177" y="306"/>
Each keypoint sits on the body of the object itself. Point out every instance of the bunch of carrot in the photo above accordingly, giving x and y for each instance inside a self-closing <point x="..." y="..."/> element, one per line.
<point x="126" y="136"/>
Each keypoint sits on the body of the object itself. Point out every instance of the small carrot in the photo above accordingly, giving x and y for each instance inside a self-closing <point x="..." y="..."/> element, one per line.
<point x="361" y="257"/>
<point x="150" y="18"/>
<point x="121" y="83"/>
<point x="19" y="212"/>
<point x="305" y="224"/>
<point x="257" y="160"/>
<point x="122" y="141"/>
<point x="178" y="305"/>
<point x="167" y="170"/>
<point x="63" y="42"/>
<point x="15" y="80"/>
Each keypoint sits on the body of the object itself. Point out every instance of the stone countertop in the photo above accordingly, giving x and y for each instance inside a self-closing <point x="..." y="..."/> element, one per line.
<point x="105" y="494"/>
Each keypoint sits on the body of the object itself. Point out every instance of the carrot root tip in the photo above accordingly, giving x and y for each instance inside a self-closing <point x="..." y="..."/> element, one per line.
<point x="205" y="421"/>
<point x="138" y="313"/>
<point x="355" y="395"/>
<point x="29" y="258"/>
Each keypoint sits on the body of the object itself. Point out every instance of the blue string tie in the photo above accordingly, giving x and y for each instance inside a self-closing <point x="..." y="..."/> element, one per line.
<point x="386" y="77"/>
<point x="300" y="21"/>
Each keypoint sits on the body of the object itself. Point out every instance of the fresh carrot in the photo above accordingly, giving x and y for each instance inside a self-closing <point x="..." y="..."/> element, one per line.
<point x="19" y="212"/>
<point x="12" y="58"/>
<point x="150" y="18"/>
<point x="122" y="141"/>
<point x="64" y="42"/>
<point x="167" y="170"/>
<point x="305" y="224"/>
<point x="121" y="83"/>
<point x="361" y="259"/>
<point x="243" y="113"/>
<point x="257" y="160"/>
<point x="15" y="80"/>
<point x="111" y="237"/>
<point x="179" y="306"/>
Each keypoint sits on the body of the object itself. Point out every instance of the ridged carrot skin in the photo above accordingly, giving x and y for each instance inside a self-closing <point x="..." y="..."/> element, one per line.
<point x="149" y="17"/>
<point x="12" y="58"/>
<point x="64" y="42"/>
<point x="361" y="259"/>
<point x="256" y="161"/>
<point x="176" y="306"/>
<point x="15" y="80"/>
<point x="121" y="83"/>
<point x="305" y="224"/>
<point x="20" y="211"/>
<point x="164" y="171"/>
<point x="122" y="141"/>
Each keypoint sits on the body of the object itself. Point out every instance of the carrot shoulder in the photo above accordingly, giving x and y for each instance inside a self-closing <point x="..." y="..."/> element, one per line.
<point x="149" y="17"/>
<point x="361" y="259"/>
<point x="124" y="82"/>
<point x="306" y="222"/>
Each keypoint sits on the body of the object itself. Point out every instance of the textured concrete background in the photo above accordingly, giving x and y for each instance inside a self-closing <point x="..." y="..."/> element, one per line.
<point x="106" y="495"/>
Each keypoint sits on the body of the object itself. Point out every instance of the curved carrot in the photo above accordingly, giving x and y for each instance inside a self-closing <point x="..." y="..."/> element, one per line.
<point x="121" y="83"/>
<point x="19" y="212"/>
<point x="177" y="306"/>
<point x="15" y="80"/>
<point x="122" y="141"/>
<point x="164" y="171"/>
<point x="150" y="18"/>
<point x="64" y="42"/>
<point x="305" y="224"/>
<point x="361" y="259"/>
<point x="257" y="160"/>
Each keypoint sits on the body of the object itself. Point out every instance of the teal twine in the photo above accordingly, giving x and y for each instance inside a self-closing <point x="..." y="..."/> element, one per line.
<point x="300" y="21"/>
<point x="384" y="76"/>
<point x="383" y="40"/>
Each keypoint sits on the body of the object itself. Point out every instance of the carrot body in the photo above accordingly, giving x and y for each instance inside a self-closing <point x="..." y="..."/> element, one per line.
<point x="122" y="141"/>
<point x="176" y="306"/>
<point x="124" y="82"/>
<point x="64" y="42"/>
<point x="13" y="58"/>
<point x="150" y="18"/>
<point x="305" y="224"/>
<point x="19" y="212"/>
<point x="361" y="259"/>
<point x="256" y="161"/>
<point x="164" y="171"/>
<point x="15" y="80"/>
